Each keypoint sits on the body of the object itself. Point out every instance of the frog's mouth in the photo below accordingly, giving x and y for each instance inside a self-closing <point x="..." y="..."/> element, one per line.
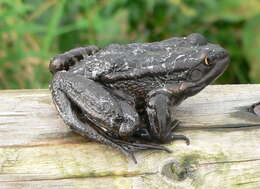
<point x="217" y="65"/>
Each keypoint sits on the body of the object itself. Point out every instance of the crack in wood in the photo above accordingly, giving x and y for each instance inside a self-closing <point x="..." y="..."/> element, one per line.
<point x="90" y="175"/>
<point x="231" y="161"/>
<point x="249" y="182"/>
<point x="219" y="127"/>
<point x="12" y="114"/>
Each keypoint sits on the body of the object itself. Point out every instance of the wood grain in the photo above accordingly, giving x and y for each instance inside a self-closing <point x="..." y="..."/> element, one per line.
<point x="38" y="151"/>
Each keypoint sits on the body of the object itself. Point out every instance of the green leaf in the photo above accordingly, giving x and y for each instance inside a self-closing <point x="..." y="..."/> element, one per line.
<point x="53" y="26"/>
<point x="251" y="46"/>
<point x="22" y="28"/>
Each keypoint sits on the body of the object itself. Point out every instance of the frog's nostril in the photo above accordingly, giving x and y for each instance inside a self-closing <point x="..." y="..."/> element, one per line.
<point x="225" y="53"/>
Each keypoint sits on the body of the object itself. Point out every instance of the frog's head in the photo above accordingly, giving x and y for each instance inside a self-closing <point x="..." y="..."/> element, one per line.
<point x="202" y="62"/>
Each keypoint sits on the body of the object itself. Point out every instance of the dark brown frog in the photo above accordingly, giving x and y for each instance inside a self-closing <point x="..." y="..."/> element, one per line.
<point x="122" y="95"/>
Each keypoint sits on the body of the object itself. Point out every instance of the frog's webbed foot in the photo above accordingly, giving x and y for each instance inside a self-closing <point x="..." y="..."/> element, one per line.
<point x="129" y="148"/>
<point x="103" y="112"/>
<point x="159" y="114"/>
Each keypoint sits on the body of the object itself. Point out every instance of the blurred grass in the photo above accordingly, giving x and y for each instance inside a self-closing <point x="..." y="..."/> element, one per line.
<point x="32" y="31"/>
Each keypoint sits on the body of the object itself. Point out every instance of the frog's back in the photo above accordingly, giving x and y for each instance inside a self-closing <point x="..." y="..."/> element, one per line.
<point x="129" y="58"/>
<point x="139" y="55"/>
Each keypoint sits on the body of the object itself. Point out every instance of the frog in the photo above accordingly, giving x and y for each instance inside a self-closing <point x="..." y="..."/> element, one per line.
<point x="125" y="95"/>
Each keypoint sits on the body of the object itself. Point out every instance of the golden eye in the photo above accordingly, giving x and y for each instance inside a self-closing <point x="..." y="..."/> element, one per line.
<point x="206" y="60"/>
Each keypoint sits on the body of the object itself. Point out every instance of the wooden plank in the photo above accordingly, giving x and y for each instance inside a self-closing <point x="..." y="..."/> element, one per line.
<point x="38" y="151"/>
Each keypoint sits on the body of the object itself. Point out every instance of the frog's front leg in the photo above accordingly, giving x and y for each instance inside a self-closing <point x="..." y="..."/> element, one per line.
<point x="103" y="113"/>
<point x="158" y="108"/>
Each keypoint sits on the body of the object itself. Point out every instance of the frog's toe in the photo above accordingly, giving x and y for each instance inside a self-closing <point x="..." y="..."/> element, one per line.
<point x="175" y="124"/>
<point x="138" y="147"/>
<point x="129" y="153"/>
<point x="129" y="148"/>
<point x="181" y="137"/>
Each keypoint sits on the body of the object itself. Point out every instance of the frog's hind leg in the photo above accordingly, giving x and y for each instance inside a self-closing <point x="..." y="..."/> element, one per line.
<point x="100" y="108"/>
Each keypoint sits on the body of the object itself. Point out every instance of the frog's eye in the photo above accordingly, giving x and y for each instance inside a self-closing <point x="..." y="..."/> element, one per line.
<point x="207" y="61"/>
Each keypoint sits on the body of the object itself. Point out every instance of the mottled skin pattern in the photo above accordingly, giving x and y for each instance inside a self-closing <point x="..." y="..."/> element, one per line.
<point x="122" y="95"/>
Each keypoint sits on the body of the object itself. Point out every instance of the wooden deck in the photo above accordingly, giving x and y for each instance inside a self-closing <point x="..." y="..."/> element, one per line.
<point x="38" y="151"/>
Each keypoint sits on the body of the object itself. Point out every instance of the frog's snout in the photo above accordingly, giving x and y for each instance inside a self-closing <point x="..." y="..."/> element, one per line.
<point x="210" y="59"/>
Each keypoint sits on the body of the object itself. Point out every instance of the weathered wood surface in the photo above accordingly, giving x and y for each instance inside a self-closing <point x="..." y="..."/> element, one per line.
<point x="38" y="151"/>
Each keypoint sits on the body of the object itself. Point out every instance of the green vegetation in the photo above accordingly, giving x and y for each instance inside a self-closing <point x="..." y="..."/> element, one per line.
<point x="32" y="31"/>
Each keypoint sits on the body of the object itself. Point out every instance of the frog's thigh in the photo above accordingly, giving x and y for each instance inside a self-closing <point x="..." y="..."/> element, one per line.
<point x="63" y="104"/>
<point x="99" y="106"/>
